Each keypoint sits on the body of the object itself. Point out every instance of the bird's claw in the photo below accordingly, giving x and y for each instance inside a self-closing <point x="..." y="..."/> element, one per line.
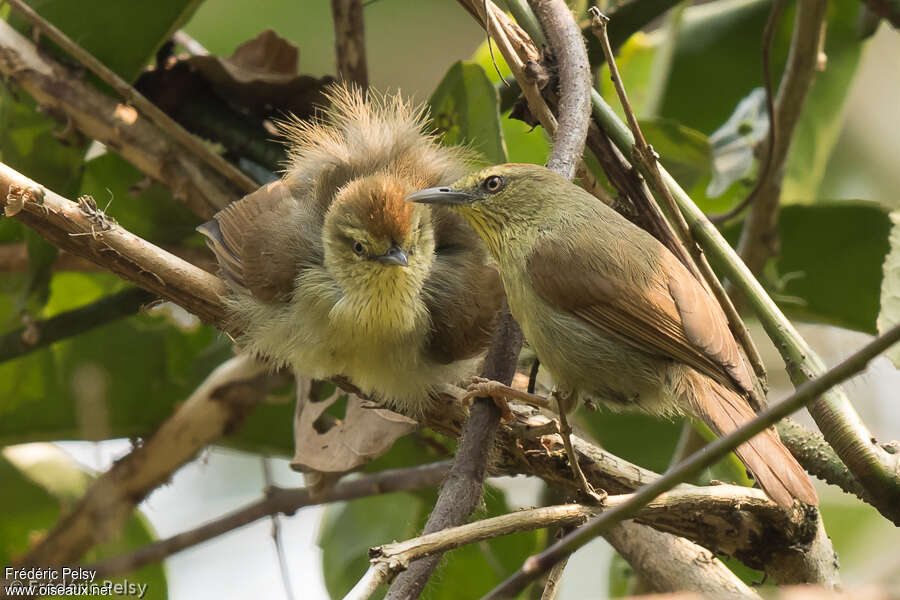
<point x="480" y="387"/>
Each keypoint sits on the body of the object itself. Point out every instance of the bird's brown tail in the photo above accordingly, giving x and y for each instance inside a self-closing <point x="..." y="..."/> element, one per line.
<point x="776" y="470"/>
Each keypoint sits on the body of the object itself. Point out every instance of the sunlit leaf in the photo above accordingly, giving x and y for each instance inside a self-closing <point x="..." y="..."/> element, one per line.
<point x="464" y="109"/>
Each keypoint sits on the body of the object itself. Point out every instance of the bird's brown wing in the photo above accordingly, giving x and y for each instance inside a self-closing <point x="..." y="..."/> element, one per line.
<point x="462" y="293"/>
<point x="661" y="310"/>
<point x="254" y="248"/>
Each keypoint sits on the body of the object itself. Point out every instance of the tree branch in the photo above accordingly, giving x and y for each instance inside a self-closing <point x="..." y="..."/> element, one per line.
<point x="218" y="405"/>
<point x="714" y="507"/>
<point x="276" y="501"/>
<point x="574" y="108"/>
<point x="686" y="566"/>
<point x="695" y="463"/>
<point x="165" y="123"/>
<point x="350" y="42"/>
<point x="148" y="147"/>
<point x="14" y="259"/>
<point x="757" y="241"/>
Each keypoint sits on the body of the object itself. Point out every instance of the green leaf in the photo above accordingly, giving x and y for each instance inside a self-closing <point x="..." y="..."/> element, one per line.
<point x="830" y="265"/>
<point x="889" y="315"/>
<point x="464" y="109"/>
<point x="108" y="29"/>
<point x="349" y="529"/>
<point x="627" y="435"/>
<point x="40" y="483"/>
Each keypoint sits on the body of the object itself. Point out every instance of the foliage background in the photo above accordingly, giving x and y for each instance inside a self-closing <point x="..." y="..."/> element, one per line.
<point x="128" y="375"/>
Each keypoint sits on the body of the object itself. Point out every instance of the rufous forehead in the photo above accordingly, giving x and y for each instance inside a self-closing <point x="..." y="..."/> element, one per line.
<point x="380" y="205"/>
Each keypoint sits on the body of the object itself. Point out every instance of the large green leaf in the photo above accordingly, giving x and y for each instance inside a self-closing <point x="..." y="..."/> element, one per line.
<point x="829" y="268"/>
<point x="464" y="109"/>
<point x="109" y="30"/>
<point x="40" y="483"/>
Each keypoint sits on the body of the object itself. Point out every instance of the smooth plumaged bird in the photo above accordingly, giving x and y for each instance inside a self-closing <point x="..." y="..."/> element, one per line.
<point x="332" y="273"/>
<point x="612" y="313"/>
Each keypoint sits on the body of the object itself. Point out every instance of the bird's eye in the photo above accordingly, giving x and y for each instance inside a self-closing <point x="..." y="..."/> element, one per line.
<point x="358" y="248"/>
<point x="493" y="184"/>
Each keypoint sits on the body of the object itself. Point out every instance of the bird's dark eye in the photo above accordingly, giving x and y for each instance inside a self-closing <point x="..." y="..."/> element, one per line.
<point x="493" y="184"/>
<point x="358" y="248"/>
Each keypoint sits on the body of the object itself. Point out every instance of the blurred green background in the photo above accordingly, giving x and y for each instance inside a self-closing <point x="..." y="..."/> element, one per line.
<point x="122" y="380"/>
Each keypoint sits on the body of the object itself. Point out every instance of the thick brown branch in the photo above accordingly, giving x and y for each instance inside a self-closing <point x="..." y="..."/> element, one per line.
<point x="350" y="41"/>
<point x="720" y="511"/>
<point x="84" y="230"/>
<point x="141" y="142"/>
<point x="14" y="259"/>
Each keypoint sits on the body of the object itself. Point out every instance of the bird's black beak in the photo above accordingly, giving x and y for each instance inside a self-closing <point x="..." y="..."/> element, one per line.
<point x="441" y="195"/>
<point x="394" y="256"/>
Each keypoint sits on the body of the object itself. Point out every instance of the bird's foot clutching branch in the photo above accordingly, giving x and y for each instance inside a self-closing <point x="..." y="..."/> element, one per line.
<point x="501" y="393"/>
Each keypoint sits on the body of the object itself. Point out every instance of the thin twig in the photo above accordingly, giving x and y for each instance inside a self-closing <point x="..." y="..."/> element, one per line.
<point x="554" y="578"/>
<point x="71" y="323"/>
<point x="350" y="41"/>
<point x="276" y="501"/>
<point x="161" y="119"/>
<point x="757" y="241"/>
<point x="775" y="13"/>
<point x="695" y="463"/>
<point x="276" y="533"/>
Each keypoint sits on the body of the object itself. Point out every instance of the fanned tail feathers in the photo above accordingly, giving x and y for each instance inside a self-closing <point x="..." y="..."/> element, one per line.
<point x="771" y="463"/>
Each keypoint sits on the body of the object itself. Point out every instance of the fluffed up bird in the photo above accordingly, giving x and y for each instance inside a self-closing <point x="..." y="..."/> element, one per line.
<point x="612" y="313"/>
<point x="332" y="273"/>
